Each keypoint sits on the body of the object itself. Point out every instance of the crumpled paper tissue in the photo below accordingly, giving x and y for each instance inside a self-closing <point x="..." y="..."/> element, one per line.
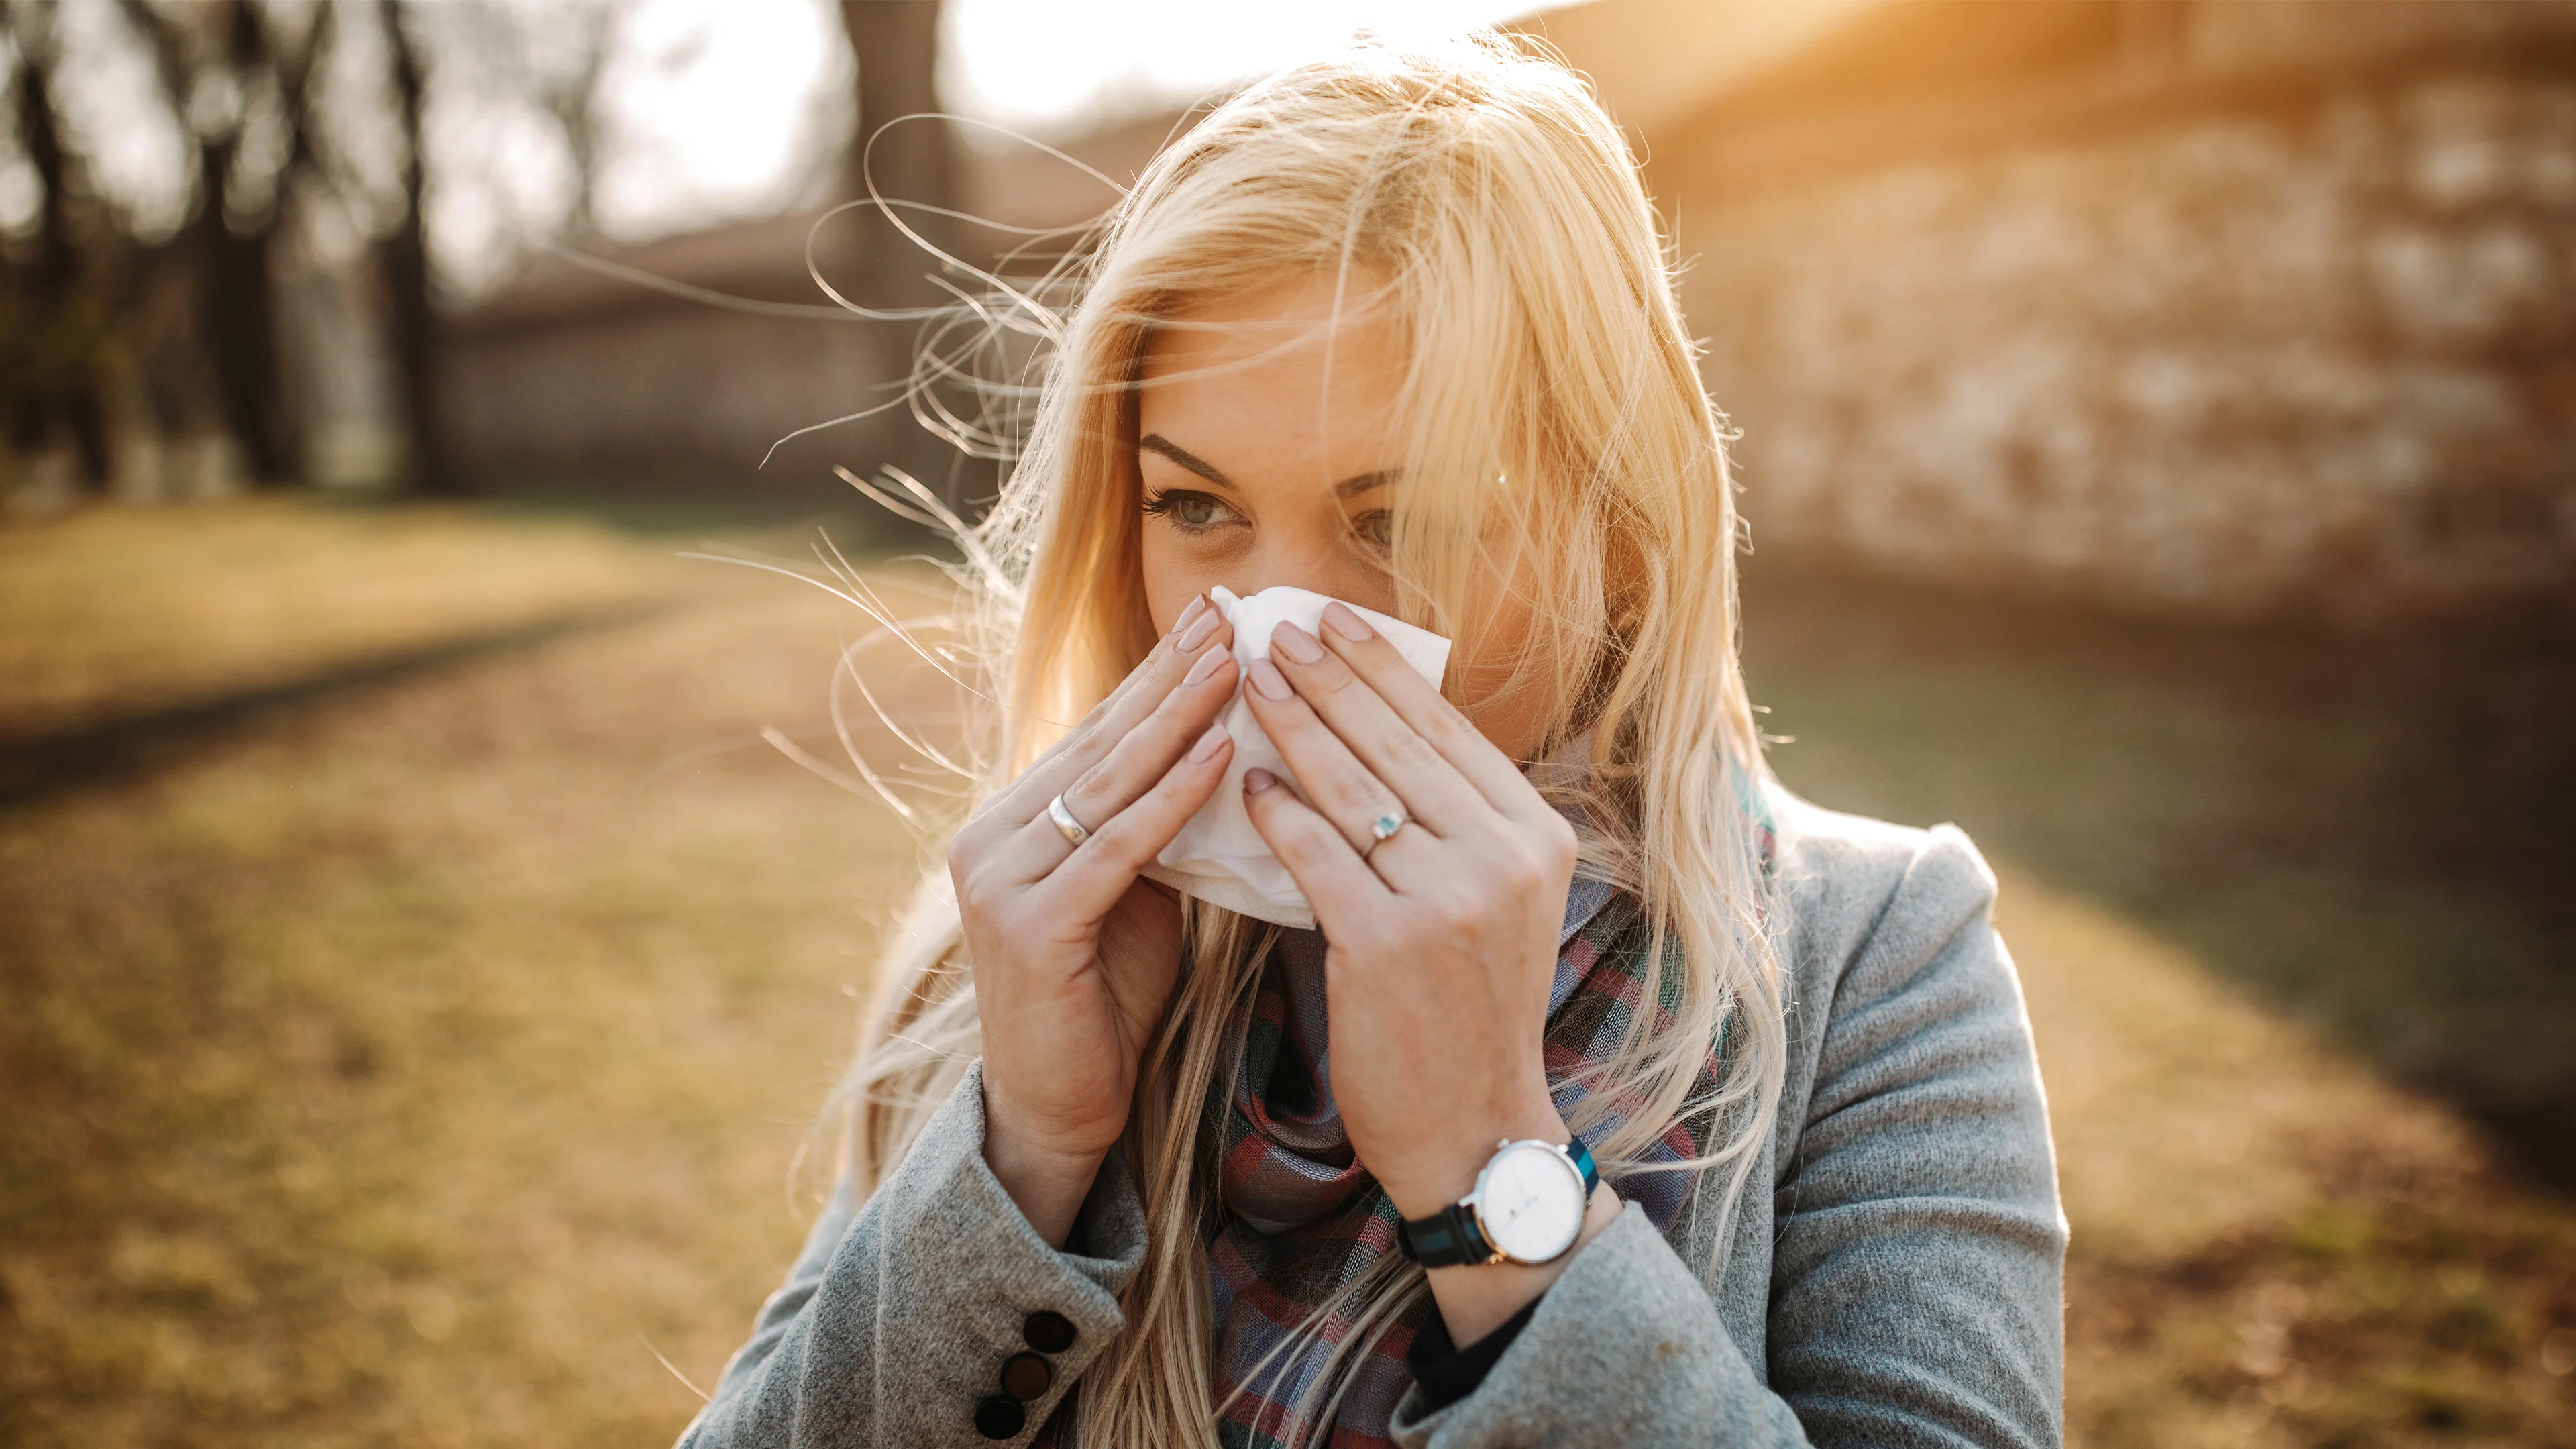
<point x="1218" y="856"/>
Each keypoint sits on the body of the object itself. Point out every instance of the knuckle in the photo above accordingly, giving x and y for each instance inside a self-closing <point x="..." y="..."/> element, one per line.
<point x="1087" y="784"/>
<point x="1376" y="944"/>
<point x="1356" y="789"/>
<point x="1457" y="914"/>
<point x="1408" y="747"/>
<point x="1313" y="837"/>
<point x="1108" y="843"/>
<point x="1295" y="714"/>
<point x="1332" y="676"/>
<point x="1079" y="744"/>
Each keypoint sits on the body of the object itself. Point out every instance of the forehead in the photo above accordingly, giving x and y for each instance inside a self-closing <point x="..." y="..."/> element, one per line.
<point x="1273" y="348"/>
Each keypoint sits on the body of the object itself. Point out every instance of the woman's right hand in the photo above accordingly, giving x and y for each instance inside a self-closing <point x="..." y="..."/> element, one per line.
<point x="1074" y="953"/>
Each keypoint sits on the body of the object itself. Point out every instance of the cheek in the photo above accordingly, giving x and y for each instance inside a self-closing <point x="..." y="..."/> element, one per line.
<point x="1484" y="663"/>
<point x="1481" y="676"/>
<point x="1171" y="577"/>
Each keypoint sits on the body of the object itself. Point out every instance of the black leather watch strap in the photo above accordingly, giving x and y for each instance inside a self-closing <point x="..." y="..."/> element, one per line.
<point x="1446" y="1237"/>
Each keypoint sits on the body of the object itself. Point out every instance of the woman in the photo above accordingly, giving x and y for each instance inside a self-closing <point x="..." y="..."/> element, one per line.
<point x="1125" y="1169"/>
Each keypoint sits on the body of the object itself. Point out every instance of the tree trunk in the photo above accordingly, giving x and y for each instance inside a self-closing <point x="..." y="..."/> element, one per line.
<point x="403" y="264"/>
<point x="63" y="401"/>
<point x="241" y="294"/>
<point x="894" y="49"/>
<point x="239" y="315"/>
<point x="233" y="260"/>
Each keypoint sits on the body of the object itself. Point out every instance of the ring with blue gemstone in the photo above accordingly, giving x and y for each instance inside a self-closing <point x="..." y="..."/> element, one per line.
<point x="1381" y="829"/>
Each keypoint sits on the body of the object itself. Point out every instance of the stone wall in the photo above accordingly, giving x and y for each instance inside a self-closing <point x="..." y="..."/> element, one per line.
<point x="2305" y="350"/>
<point x="666" y="392"/>
<point x="575" y="374"/>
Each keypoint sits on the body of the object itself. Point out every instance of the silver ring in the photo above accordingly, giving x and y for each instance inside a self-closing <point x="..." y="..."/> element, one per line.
<point x="1064" y="823"/>
<point x="1383" y="829"/>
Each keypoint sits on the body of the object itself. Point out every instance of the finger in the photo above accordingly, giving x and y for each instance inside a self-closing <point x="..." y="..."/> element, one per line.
<point x="1339" y="786"/>
<point x="1133" y="765"/>
<point x="1171" y="658"/>
<point x="1420" y="704"/>
<point x="1137" y="696"/>
<point x="1087" y="882"/>
<point x="1385" y="741"/>
<point x="1336" y="881"/>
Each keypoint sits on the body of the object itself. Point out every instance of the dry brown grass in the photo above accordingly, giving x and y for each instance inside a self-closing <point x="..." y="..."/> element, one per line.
<point x="2271" y="1246"/>
<point x="412" y="1064"/>
<point x="408" y="1058"/>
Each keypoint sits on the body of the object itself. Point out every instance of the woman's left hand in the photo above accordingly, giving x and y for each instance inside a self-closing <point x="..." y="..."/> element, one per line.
<point x="1443" y="936"/>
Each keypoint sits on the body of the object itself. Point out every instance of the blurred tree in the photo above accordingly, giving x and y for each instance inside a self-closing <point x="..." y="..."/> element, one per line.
<point x="403" y="261"/>
<point x="568" y="92"/>
<point x="901" y="151"/>
<point x="237" y="78"/>
<point x="894" y="49"/>
<point x="52" y="332"/>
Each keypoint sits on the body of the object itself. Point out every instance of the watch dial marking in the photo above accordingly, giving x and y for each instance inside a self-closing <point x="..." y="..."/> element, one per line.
<point x="1531" y="1203"/>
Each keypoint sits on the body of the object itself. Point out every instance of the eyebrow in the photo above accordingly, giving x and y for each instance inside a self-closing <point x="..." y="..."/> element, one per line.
<point x="1350" y="487"/>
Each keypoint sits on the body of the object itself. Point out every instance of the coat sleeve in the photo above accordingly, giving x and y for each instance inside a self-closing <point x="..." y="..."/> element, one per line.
<point x="894" y="1324"/>
<point x="1916" y="1285"/>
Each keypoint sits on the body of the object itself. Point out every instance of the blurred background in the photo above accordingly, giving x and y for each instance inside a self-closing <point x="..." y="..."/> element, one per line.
<point x="433" y="906"/>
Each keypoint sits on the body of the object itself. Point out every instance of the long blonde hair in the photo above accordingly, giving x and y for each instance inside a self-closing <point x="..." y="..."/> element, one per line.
<point x="1556" y="435"/>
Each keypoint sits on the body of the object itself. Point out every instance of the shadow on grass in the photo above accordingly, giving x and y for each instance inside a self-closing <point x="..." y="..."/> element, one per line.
<point x="663" y="508"/>
<point x="2367" y="832"/>
<point x="41" y="767"/>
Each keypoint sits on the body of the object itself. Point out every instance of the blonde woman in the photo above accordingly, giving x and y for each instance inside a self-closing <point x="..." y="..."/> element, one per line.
<point x="1621" y="1098"/>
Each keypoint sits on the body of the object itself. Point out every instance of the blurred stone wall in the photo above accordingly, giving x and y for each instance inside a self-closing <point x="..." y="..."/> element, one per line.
<point x="2303" y="343"/>
<point x="572" y="376"/>
<point x="576" y="375"/>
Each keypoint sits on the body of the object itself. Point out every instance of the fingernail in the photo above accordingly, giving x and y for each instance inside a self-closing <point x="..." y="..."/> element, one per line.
<point x="1199" y="630"/>
<point x="1207" y="665"/>
<point x="1198" y="606"/>
<point x="1267" y="678"/>
<point x="1209" y="744"/>
<point x="1257" y="780"/>
<point x="1346" y="621"/>
<point x="1296" y="643"/>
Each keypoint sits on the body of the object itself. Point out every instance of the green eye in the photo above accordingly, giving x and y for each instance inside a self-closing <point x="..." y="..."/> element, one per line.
<point x="1377" y="526"/>
<point x="1188" y="511"/>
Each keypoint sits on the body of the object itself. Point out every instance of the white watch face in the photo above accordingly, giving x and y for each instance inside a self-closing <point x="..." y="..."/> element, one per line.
<point x="1530" y="1202"/>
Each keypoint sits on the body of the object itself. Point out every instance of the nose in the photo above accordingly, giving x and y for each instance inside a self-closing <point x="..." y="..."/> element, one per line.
<point x="1326" y="566"/>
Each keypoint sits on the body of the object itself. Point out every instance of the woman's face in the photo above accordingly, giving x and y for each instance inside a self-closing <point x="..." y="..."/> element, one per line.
<point x="1266" y="444"/>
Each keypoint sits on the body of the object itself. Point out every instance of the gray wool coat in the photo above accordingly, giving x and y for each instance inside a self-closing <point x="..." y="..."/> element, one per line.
<point x="1893" y="1275"/>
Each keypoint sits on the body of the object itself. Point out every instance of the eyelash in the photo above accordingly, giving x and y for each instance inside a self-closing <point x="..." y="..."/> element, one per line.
<point x="1165" y="504"/>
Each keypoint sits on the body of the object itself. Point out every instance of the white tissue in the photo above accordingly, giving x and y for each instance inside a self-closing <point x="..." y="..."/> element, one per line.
<point x="1218" y="857"/>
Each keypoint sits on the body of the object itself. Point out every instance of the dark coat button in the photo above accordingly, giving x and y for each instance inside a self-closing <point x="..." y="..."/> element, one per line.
<point x="1025" y="1376"/>
<point x="1048" y="1332"/>
<point x="1000" y="1418"/>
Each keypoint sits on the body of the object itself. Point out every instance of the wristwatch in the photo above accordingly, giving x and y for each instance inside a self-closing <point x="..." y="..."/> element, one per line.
<point x="1527" y="1208"/>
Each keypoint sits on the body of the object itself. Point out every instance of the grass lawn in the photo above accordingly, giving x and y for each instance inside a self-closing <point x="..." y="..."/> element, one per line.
<point x="417" y="982"/>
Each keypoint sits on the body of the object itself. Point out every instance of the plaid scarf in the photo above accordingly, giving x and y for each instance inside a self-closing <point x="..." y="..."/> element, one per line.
<point x="1299" y="1216"/>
